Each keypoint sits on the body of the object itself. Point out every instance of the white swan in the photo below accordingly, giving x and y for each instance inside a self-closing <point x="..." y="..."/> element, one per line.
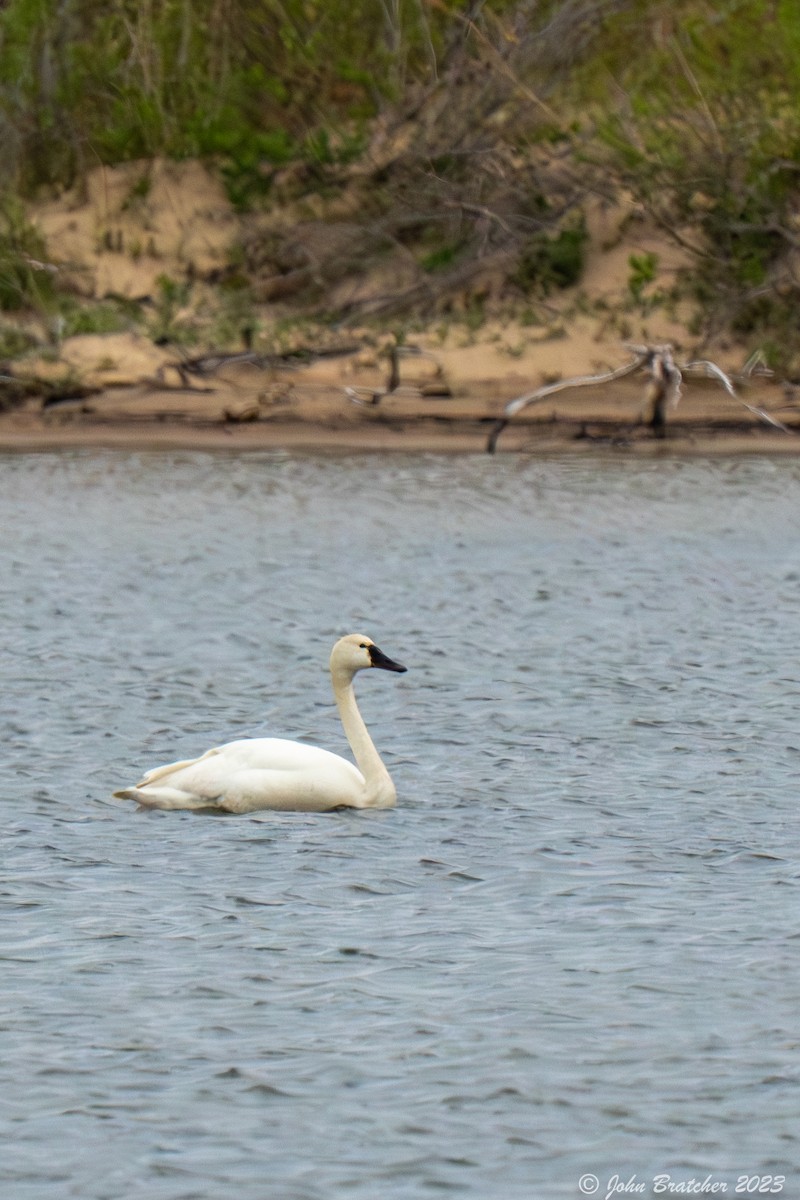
<point x="272" y="773"/>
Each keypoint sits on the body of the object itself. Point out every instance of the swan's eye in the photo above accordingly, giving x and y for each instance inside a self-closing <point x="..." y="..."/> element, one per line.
<point x="363" y="646"/>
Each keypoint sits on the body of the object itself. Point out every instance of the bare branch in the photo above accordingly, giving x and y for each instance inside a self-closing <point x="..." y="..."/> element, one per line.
<point x="515" y="406"/>
<point x="713" y="371"/>
<point x="664" y="388"/>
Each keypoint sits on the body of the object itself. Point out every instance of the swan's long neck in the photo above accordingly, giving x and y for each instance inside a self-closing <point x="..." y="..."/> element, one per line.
<point x="380" y="789"/>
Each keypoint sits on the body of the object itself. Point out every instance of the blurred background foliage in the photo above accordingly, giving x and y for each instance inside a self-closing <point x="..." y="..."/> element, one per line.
<point x="474" y="128"/>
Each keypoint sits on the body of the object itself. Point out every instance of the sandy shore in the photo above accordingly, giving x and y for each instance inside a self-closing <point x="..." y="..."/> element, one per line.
<point x="306" y="415"/>
<point x="136" y="395"/>
<point x="422" y="438"/>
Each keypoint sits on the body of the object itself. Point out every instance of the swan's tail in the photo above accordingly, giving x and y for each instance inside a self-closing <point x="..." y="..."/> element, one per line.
<point x="159" y="788"/>
<point x="167" y="798"/>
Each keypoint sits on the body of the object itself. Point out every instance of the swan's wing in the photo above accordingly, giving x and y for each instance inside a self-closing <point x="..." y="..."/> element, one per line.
<point x="280" y="754"/>
<point x="214" y="773"/>
<point x="170" y="769"/>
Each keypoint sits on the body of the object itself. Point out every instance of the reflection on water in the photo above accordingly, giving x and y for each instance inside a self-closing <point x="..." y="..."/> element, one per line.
<point x="573" y="946"/>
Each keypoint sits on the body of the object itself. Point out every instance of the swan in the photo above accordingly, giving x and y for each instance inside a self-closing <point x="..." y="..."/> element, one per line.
<point x="273" y="773"/>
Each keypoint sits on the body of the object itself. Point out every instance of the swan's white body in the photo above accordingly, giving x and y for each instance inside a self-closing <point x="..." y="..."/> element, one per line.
<point x="272" y="773"/>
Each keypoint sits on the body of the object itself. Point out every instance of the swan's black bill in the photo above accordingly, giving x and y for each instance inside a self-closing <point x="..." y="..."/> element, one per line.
<point x="378" y="659"/>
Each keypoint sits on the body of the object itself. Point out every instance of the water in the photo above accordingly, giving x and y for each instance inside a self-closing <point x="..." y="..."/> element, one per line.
<point x="571" y="949"/>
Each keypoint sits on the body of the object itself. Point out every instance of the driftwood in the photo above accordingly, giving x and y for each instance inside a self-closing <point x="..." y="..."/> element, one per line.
<point x="662" y="391"/>
<point x="209" y="364"/>
<point x="367" y="397"/>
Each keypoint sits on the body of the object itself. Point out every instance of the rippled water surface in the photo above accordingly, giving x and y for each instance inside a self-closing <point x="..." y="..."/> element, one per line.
<point x="572" y="948"/>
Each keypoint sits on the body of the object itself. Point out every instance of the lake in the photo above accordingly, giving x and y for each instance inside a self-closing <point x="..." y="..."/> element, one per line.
<point x="571" y="951"/>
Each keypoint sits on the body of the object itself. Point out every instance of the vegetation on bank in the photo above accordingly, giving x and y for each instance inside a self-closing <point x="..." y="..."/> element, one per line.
<point x="471" y="133"/>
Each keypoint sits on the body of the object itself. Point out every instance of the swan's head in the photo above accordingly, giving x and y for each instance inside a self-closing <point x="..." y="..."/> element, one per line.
<point x="356" y="652"/>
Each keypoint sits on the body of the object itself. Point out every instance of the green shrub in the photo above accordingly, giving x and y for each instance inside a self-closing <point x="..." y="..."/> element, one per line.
<point x="106" y="316"/>
<point x="122" y="80"/>
<point x="553" y="260"/>
<point x="14" y="342"/>
<point x="166" y="324"/>
<point x="441" y="257"/>
<point x="706" y="136"/>
<point x="27" y="281"/>
<point x="643" y="268"/>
